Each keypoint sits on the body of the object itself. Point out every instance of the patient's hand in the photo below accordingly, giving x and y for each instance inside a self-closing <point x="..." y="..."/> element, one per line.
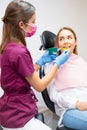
<point x="81" y="105"/>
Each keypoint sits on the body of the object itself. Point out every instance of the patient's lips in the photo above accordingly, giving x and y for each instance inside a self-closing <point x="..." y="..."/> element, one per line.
<point x="64" y="49"/>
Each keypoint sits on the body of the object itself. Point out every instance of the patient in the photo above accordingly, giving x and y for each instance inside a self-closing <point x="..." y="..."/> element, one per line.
<point x="68" y="90"/>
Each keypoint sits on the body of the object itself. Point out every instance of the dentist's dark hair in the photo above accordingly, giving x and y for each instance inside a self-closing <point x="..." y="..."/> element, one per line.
<point x="16" y="11"/>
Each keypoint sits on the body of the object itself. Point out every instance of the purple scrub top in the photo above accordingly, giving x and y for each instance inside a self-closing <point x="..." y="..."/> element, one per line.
<point x="18" y="104"/>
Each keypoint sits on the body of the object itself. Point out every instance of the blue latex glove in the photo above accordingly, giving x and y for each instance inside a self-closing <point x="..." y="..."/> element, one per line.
<point x="61" y="59"/>
<point x="54" y="54"/>
<point x="46" y="58"/>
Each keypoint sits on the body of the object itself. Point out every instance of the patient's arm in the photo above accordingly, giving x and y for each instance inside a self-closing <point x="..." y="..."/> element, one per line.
<point x="81" y="105"/>
<point x="63" y="101"/>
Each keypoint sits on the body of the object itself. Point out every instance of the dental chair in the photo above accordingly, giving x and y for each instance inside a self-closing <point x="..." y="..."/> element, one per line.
<point x="48" y="39"/>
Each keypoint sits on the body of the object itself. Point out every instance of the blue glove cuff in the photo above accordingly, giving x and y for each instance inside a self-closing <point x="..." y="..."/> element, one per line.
<point x="58" y="63"/>
<point x="39" y="62"/>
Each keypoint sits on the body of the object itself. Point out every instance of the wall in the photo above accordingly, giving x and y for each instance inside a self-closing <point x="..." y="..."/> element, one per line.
<point x="52" y="15"/>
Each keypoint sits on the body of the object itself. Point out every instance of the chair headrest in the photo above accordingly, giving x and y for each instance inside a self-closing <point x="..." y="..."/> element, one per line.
<point x="48" y="39"/>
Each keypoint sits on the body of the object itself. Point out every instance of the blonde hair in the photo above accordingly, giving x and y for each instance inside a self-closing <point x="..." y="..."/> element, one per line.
<point x="71" y="30"/>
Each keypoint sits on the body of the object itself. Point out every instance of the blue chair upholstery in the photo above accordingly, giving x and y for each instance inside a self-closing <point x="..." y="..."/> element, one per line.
<point x="40" y="117"/>
<point x="1" y="128"/>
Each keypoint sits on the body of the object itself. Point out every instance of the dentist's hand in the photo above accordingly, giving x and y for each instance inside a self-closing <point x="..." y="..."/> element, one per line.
<point x="61" y="59"/>
<point x="46" y="58"/>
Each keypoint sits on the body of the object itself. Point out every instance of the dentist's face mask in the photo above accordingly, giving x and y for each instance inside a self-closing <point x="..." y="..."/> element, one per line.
<point x="33" y="30"/>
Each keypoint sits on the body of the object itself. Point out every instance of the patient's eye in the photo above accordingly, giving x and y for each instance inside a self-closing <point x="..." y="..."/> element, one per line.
<point x="61" y="38"/>
<point x="69" y="37"/>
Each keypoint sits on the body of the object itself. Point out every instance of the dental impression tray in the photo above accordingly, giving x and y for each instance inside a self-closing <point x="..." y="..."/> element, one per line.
<point x="64" y="49"/>
<point x="53" y="50"/>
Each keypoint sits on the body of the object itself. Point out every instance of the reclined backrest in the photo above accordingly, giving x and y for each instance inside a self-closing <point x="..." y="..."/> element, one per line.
<point x="48" y="39"/>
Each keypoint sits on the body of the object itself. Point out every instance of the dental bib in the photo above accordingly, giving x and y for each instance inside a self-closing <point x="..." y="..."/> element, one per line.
<point x="72" y="74"/>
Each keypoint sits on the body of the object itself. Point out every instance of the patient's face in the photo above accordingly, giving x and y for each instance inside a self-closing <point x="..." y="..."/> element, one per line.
<point x="66" y="40"/>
